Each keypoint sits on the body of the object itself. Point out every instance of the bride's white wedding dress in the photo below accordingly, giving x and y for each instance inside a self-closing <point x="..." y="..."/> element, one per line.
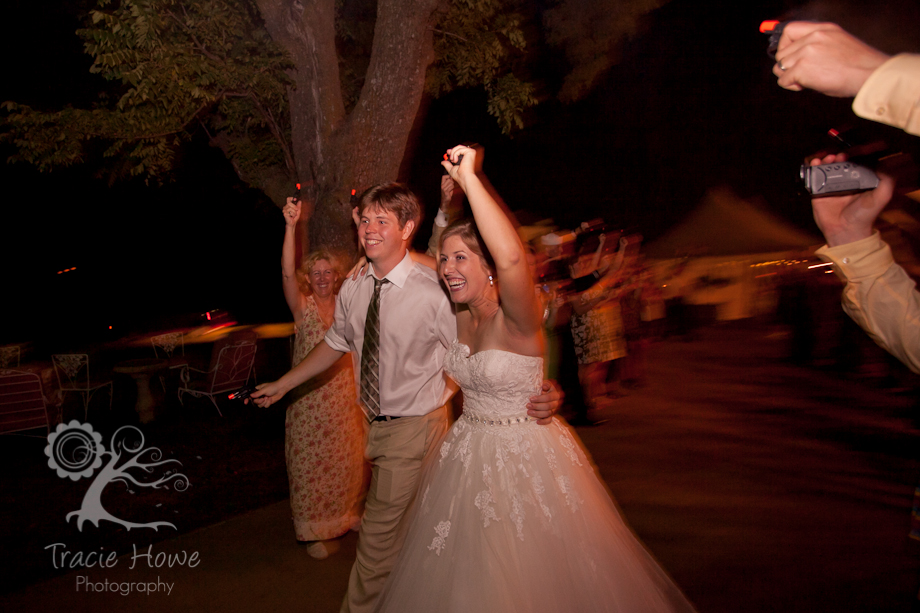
<point x="512" y="517"/>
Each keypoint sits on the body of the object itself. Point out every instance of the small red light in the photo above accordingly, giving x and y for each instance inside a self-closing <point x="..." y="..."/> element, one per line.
<point x="298" y="186"/>
<point x="353" y="192"/>
<point x="110" y="327"/>
<point x="208" y="314"/>
<point x="768" y="26"/>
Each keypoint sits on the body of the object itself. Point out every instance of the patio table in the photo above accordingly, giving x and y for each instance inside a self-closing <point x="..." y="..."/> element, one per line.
<point x="140" y="370"/>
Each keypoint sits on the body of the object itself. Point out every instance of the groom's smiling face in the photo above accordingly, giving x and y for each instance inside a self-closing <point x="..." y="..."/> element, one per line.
<point x="380" y="235"/>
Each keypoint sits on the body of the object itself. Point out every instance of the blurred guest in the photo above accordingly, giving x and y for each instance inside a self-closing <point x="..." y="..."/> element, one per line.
<point x="561" y="361"/>
<point x="632" y="302"/>
<point x="677" y="311"/>
<point x="552" y="278"/>
<point x="450" y="207"/>
<point x="597" y="326"/>
<point x="795" y="310"/>
<point x="653" y="306"/>
<point x="324" y="432"/>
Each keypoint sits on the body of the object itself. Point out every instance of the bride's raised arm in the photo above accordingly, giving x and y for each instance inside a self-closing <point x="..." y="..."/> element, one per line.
<point x="494" y="222"/>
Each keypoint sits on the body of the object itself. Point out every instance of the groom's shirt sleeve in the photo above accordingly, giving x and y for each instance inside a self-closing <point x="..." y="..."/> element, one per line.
<point x="340" y="335"/>
<point x="337" y="335"/>
<point x="446" y="324"/>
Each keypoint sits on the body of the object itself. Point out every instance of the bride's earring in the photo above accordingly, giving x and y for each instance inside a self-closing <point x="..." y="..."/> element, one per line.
<point x="491" y="283"/>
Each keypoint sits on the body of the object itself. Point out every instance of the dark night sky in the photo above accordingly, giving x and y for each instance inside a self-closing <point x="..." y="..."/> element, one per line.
<point x="692" y="105"/>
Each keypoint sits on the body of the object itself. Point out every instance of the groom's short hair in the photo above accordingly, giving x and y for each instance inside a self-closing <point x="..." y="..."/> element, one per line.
<point x="394" y="198"/>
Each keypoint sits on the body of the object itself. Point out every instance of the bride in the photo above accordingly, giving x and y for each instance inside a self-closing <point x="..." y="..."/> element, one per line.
<point x="511" y="515"/>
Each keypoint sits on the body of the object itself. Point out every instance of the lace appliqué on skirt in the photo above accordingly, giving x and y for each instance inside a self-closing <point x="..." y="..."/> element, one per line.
<point x="442" y="530"/>
<point x="506" y="497"/>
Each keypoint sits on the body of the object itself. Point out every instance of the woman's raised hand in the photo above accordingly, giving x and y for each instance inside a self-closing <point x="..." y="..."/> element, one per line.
<point x="291" y="212"/>
<point x="462" y="160"/>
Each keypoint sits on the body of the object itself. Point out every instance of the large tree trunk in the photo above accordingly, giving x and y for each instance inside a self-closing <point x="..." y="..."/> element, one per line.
<point x="335" y="152"/>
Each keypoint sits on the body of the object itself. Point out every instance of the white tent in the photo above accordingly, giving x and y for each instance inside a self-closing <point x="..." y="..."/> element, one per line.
<point x="710" y="256"/>
<point x="724" y="224"/>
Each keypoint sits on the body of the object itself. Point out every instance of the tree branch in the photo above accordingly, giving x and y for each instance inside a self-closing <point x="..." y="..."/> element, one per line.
<point x="160" y="134"/>
<point x="446" y="33"/>
<point x="275" y="130"/>
<point x="201" y="47"/>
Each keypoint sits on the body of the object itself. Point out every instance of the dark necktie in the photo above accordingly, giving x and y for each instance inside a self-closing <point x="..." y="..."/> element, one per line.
<point x="370" y="356"/>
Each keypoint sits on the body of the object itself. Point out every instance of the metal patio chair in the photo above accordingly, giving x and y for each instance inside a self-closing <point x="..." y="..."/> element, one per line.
<point x="230" y="370"/>
<point x="22" y="402"/>
<point x="72" y="370"/>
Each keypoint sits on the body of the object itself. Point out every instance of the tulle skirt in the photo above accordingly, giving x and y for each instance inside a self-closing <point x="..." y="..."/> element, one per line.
<point x="513" y="518"/>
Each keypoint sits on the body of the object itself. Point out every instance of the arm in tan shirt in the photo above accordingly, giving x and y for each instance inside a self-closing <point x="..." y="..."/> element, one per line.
<point x="879" y="296"/>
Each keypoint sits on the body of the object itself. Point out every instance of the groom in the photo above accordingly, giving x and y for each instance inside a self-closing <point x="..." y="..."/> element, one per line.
<point x="404" y="392"/>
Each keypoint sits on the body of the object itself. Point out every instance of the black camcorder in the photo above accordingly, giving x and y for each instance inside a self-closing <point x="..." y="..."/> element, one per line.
<point x="837" y="179"/>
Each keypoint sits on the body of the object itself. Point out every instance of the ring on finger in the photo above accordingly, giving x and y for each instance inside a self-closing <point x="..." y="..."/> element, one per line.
<point x="780" y="64"/>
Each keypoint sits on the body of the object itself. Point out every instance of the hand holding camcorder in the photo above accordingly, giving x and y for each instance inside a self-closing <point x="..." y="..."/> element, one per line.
<point x="837" y="179"/>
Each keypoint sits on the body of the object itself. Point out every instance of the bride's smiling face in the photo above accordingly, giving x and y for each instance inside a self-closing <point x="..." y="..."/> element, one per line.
<point x="463" y="272"/>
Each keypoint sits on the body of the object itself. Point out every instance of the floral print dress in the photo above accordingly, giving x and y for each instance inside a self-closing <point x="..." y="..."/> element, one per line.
<point x="324" y="443"/>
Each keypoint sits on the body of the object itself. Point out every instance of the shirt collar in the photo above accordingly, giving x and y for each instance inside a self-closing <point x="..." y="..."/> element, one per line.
<point x="400" y="272"/>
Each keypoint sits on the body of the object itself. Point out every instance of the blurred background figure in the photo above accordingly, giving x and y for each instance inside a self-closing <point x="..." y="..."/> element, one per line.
<point x="561" y="364"/>
<point x="450" y="208"/>
<point x="637" y="287"/>
<point x="324" y="432"/>
<point x="674" y="290"/>
<point x="597" y="322"/>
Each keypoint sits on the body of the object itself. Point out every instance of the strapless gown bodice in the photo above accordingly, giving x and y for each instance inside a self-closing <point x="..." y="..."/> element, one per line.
<point x="496" y="384"/>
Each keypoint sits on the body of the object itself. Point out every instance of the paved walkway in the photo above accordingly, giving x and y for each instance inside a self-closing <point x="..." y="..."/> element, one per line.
<point x="758" y="485"/>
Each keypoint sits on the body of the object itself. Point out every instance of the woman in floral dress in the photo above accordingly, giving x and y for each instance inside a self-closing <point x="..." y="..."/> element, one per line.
<point x="324" y="432"/>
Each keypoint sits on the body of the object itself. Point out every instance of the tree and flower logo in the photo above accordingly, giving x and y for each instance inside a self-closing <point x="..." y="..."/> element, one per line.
<point x="76" y="451"/>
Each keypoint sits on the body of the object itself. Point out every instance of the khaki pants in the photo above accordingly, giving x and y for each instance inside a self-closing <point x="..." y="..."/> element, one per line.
<point x="396" y="450"/>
